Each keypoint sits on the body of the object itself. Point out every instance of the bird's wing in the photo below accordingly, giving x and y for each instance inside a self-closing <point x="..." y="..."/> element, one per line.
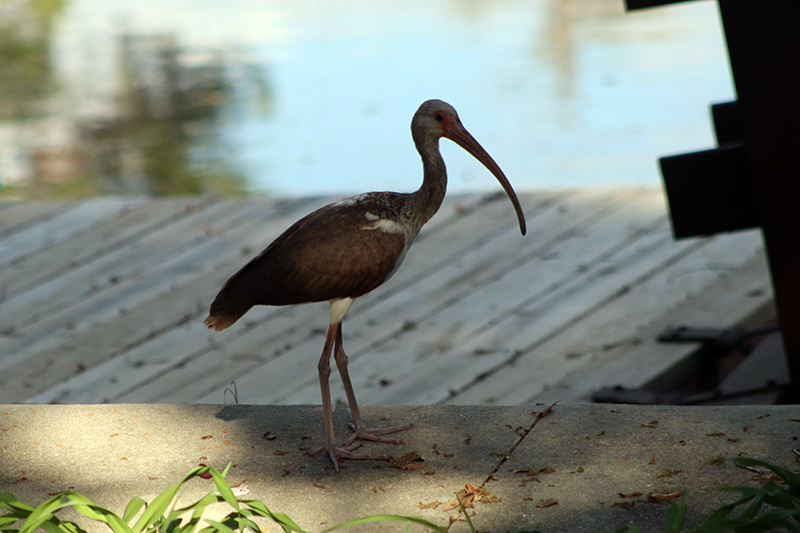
<point x="335" y="252"/>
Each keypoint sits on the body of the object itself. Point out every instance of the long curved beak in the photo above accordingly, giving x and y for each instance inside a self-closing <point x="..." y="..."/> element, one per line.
<point x="459" y="135"/>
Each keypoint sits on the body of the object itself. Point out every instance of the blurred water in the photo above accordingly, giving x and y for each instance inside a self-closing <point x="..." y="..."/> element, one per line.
<point x="311" y="97"/>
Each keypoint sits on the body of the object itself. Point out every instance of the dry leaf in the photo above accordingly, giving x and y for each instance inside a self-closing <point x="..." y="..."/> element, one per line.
<point x="623" y="505"/>
<point x="541" y="504"/>
<point x="664" y="496"/>
<point x="408" y="461"/>
<point x="206" y="474"/>
<point x="431" y="505"/>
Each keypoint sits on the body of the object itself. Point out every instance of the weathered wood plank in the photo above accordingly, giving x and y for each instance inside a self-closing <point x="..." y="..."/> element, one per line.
<point x="620" y="310"/>
<point x="638" y="361"/>
<point x="62" y="225"/>
<point x="101" y="236"/>
<point x="167" y="293"/>
<point x="20" y="216"/>
<point x="39" y="371"/>
<point x="48" y="311"/>
<point x="476" y="309"/>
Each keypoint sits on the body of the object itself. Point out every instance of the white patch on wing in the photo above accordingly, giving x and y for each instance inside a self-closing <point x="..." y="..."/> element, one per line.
<point x="371" y="216"/>
<point x="385" y="225"/>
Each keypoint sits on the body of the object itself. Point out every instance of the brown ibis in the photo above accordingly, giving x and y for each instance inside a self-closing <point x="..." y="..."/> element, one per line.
<point x="346" y="249"/>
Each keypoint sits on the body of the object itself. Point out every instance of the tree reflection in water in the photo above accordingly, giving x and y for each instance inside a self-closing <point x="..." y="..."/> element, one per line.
<point x="161" y="137"/>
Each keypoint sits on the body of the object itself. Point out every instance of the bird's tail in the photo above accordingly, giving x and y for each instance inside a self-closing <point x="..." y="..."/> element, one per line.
<point x="219" y="321"/>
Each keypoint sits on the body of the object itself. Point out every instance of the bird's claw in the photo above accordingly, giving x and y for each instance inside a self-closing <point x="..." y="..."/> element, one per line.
<point x="375" y="434"/>
<point x="345" y="451"/>
<point x="347" y="448"/>
<point x="340" y="453"/>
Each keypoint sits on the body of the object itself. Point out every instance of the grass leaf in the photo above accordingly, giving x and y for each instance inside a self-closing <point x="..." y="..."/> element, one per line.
<point x="218" y="526"/>
<point x="464" y="512"/>
<point x="791" y="479"/>
<point x="41" y="514"/>
<point x="88" y="508"/>
<point x="155" y="512"/>
<point x="223" y="488"/>
<point x="134" y="506"/>
<point x="675" y="515"/>
<point x="286" y="523"/>
<point x="8" y="501"/>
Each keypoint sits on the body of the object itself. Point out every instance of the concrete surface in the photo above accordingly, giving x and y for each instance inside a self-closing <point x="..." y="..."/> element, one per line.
<point x="577" y="468"/>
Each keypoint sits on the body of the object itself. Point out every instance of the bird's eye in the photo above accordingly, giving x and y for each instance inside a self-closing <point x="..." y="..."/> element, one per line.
<point x="439" y="117"/>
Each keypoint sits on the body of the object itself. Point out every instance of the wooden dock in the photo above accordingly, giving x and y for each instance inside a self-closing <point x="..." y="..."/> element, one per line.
<point x="102" y="300"/>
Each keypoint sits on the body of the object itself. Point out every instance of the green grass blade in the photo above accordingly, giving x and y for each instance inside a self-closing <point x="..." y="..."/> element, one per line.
<point x="286" y="523"/>
<point x="7" y="519"/>
<point x="54" y="525"/>
<point x="8" y="501"/>
<point x="389" y="518"/>
<point x="791" y="479"/>
<point x="755" y="506"/>
<point x="155" y="511"/>
<point x="134" y="506"/>
<point x="464" y="512"/>
<point x="197" y="509"/>
<point x="88" y="508"/>
<point x="41" y="514"/>
<point x="224" y="489"/>
<point x="218" y="526"/>
<point x="158" y="507"/>
<point x="675" y="516"/>
<point x="242" y="521"/>
<point x="45" y="513"/>
<point x="259" y="508"/>
<point x="769" y="521"/>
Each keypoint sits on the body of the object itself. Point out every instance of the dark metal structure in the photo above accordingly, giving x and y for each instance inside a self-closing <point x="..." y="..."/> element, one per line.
<point x="752" y="179"/>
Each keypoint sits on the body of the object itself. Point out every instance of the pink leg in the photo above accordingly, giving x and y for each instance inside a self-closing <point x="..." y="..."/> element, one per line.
<point x="336" y="453"/>
<point x="360" y="432"/>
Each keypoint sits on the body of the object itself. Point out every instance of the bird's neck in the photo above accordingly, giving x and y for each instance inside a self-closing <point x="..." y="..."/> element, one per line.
<point x="428" y="198"/>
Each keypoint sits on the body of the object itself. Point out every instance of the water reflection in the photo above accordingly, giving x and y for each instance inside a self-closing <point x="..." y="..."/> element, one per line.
<point x="312" y="97"/>
<point x="169" y="107"/>
<point x="26" y="72"/>
<point x="159" y="135"/>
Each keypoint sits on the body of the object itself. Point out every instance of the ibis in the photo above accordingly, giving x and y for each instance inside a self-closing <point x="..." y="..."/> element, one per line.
<point x="346" y="249"/>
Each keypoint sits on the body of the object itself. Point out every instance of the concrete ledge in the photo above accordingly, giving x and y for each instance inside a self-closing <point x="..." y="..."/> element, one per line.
<point x="576" y="469"/>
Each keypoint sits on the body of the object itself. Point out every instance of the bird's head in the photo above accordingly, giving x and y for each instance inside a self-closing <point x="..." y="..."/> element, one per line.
<point x="436" y="119"/>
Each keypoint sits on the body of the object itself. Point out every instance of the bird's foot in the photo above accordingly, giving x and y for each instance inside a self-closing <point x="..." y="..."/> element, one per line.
<point x="375" y="434"/>
<point x="340" y="453"/>
<point x="345" y="451"/>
